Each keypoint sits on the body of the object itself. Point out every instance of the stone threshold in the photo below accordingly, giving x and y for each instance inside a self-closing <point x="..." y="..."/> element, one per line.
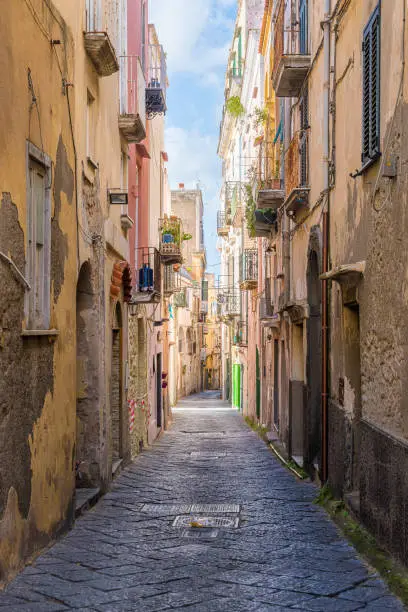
<point x="85" y="499"/>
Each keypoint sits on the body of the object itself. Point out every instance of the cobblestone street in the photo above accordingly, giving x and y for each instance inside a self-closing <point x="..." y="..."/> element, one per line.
<point x="266" y="545"/>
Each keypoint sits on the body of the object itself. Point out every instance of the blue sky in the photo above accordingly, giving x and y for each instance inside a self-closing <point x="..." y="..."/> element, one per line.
<point x="196" y="35"/>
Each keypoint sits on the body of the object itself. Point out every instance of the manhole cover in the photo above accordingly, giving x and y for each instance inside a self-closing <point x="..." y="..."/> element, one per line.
<point x="200" y="522"/>
<point x="202" y="534"/>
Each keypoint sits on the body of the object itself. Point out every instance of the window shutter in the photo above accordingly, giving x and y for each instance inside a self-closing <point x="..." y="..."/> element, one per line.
<point x="303" y="27"/>
<point x="371" y="88"/>
<point x="204" y="291"/>
<point x="303" y="144"/>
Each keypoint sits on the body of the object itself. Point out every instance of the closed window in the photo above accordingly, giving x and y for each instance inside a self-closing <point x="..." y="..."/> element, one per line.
<point x="304" y="139"/>
<point x="371" y="88"/>
<point x="39" y="238"/>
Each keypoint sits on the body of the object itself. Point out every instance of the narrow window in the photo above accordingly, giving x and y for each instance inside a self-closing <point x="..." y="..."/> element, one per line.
<point x="303" y="142"/>
<point x="39" y="238"/>
<point x="371" y="88"/>
<point x="303" y="27"/>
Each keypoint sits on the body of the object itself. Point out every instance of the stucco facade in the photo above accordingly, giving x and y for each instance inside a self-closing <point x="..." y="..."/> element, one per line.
<point x="64" y="261"/>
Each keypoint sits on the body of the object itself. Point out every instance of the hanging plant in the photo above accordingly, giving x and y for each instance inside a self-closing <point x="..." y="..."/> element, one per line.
<point x="260" y="116"/>
<point x="250" y="208"/>
<point x="234" y="106"/>
<point x="187" y="237"/>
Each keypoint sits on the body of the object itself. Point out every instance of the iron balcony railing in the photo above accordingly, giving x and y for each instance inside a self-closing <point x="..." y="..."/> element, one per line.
<point x="148" y="276"/>
<point x="232" y="304"/>
<point x="171" y="280"/>
<point x="291" y="29"/>
<point x="249" y="269"/>
<point x="241" y="334"/>
<point x="223" y="222"/>
<point x="266" y="308"/>
<point x="156" y="91"/>
<point x="132" y="112"/>
<point x="180" y="299"/>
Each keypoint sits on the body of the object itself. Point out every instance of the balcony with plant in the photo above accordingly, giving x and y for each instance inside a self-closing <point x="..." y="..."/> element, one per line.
<point x="260" y="222"/>
<point x="270" y="193"/>
<point x="171" y="240"/>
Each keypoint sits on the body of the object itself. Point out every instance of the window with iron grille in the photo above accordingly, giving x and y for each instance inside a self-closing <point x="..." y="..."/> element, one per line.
<point x="371" y="88"/>
<point x="303" y="140"/>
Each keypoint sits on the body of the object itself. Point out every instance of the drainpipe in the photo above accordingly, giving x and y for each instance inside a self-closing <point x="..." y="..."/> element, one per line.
<point x="325" y="262"/>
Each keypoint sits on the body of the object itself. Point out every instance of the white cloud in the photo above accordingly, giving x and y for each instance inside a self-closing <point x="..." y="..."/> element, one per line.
<point x="181" y="25"/>
<point x="192" y="158"/>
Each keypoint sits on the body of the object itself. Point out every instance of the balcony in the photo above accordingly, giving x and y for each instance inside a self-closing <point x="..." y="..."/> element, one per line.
<point x="297" y="175"/>
<point x="240" y="337"/>
<point x="156" y="83"/>
<point x="223" y="223"/>
<point x="270" y="193"/>
<point x="266" y="309"/>
<point x="101" y="53"/>
<point x="180" y="299"/>
<point x="132" y="117"/>
<point x="148" y="276"/>
<point x="171" y="280"/>
<point x="204" y="308"/>
<point x="231" y="304"/>
<point x="171" y="240"/>
<point x="265" y="222"/>
<point x="249" y="269"/>
<point x="292" y="60"/>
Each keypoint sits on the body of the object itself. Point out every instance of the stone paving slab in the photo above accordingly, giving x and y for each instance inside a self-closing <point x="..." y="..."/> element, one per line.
<point x="125" y="555"/>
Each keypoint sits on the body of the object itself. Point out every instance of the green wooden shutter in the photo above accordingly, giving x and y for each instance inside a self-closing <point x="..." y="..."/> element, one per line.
<point x="258" y="385"/>
<point x="371" y="88"/>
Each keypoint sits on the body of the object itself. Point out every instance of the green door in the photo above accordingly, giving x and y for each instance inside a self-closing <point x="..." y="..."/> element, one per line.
<point x="258" y="386"/>
<point x="236" y="386"/>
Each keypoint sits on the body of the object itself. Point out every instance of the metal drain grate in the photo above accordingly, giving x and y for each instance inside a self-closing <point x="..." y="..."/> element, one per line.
<point x="199" y="522"/>
<point x="166" y="509"/>
<point x="216" y="508"/>
<point x="207" y="455"/>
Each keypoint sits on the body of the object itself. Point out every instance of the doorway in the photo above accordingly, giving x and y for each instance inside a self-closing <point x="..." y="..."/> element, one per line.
<point x="159" y="393"/>
<point x="116" y="386"/>
<point x="276" y="385"/>
<point x="87" y="458"/>
<point x="313" y="368"/>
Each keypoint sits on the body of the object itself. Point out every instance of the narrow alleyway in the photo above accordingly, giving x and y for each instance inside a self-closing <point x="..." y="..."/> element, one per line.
<point x="270" y="547"/>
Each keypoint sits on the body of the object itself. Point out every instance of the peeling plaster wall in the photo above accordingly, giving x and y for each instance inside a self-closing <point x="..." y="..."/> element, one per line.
<point x="37" y="389"/>
<point x="368" y="427"/>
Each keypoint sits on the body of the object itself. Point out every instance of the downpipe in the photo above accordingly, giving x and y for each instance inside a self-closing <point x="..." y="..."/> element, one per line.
<point x="325" y="255"/>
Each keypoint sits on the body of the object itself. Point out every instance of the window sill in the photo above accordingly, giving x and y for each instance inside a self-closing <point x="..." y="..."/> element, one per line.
<point x="51" y="334"/>
<point x="366" y="166"/>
